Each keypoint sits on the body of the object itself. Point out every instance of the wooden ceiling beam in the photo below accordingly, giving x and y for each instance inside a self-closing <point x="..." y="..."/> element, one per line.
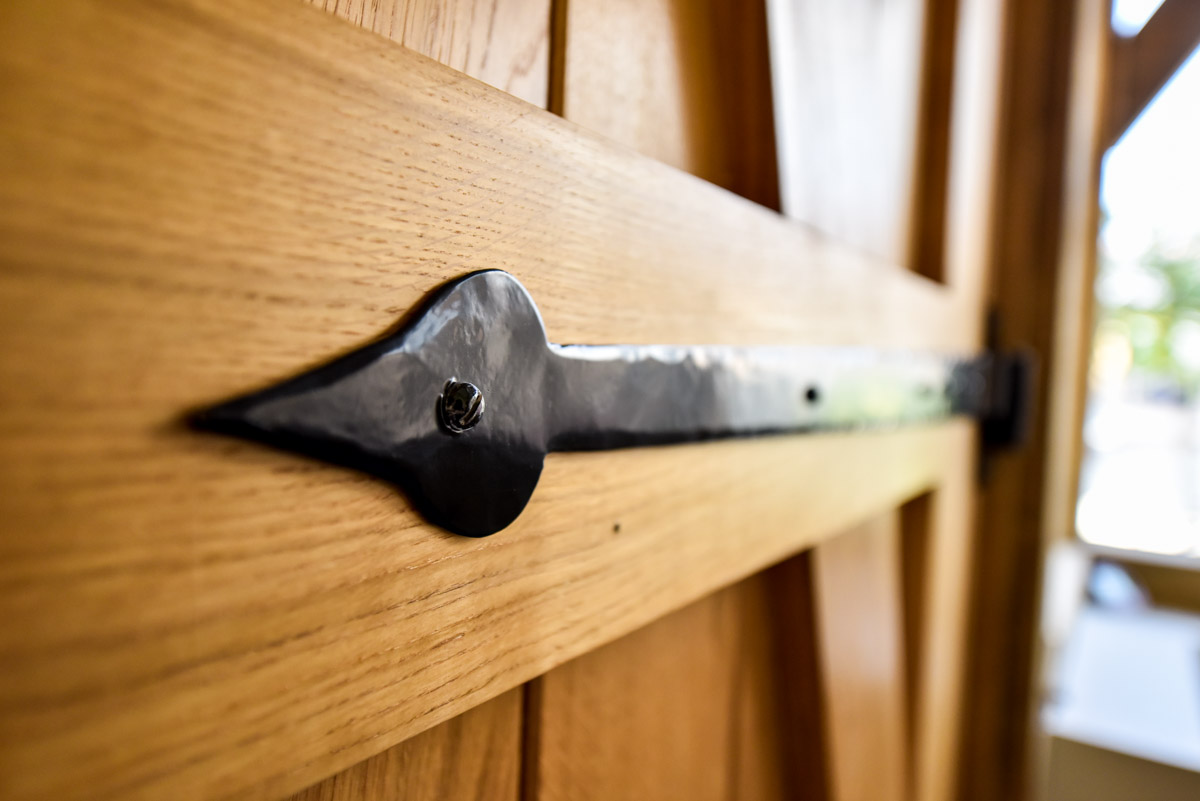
<point x="1141" y="65"/>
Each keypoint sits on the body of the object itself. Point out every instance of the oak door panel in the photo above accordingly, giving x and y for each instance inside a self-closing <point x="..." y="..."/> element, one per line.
<point x="504" y="43"/>
<point x="656" y="703"/>
<point x="861" y="641"/>
<point x="646" y="716"/>
<point x="202" y="198"/>
<point x="848" y="78"/>
<point x="686" y="82"/>
<point x="714" y="701"/>
<point x="476" y="755"/>
<point x="923" y="196"/>
<point x="938" y="553"/>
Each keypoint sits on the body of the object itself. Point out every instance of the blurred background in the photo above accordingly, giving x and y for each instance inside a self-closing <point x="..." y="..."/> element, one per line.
<point x="1123" y="604"/>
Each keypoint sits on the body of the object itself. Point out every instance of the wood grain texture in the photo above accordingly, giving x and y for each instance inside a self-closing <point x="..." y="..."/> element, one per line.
<point x="1141" y="65"/>
<point x="1072" y="333"/>
<point x="886" y="117"/>
<point x="1078" y="262"/>
<point x="504" y="43"/>
<point x="848" y="89"/>
<point x="711" y="702"/>
<point x="647" y="715"/>
<point x="928" y="237"/>
<point x="182" y="217"/>
<point x="975" y="124"/>
<point x="893" y="597"/>
<point x="939" y="610"/>
<point x="686" y="82"/>
<point x="476" y="755"/>
<point x="782" y="752"/>
<point x="860" y="619"/>
<point x="699" y="704"/>
<point x="1028" y="215"/>
<point x="915" y="573"/>
<point x="942" y="226"/>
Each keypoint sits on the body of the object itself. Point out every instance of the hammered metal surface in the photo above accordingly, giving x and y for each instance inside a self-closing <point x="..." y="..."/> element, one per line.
<point x="382" y="409"/>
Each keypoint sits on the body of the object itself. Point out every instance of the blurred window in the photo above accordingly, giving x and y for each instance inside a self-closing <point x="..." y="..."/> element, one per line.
<point x="1140" y="479"/>
<point x="1130" y="16"/>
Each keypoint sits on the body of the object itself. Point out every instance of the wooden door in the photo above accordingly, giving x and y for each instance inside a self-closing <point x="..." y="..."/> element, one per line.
<point x="201" y="197"/>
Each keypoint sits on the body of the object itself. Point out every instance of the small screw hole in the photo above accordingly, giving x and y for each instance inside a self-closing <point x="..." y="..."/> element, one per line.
<point x="812" y="394"/>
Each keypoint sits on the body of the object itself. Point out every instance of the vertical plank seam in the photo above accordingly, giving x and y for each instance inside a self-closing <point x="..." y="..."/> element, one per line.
<point x="529" y="780"/>
<point x="556" y="91"/>
<point x="931" y="184"/>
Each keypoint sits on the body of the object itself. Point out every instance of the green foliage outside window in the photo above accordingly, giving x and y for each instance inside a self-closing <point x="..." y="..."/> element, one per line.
<point x="1160" y="322"/>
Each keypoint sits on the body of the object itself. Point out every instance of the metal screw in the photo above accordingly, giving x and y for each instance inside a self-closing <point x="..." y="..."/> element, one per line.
<point x="460" y="406"/>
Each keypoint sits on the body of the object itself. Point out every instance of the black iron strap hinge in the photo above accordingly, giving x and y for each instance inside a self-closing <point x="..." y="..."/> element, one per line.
<point x="1006" y="416"/>
<point x="461" y="404"/>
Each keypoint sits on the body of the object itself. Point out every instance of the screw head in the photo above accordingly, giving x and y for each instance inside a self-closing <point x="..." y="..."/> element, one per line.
<point x="460" y="406"/>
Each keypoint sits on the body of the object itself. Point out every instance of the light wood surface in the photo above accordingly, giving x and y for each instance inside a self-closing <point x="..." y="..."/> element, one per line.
<point x="647" y="728"/>
<point x="475" y="755"/>
<point x="1077" y="267"/>
<point x="782" y="752"/>
<point x="848" y="90"/>
<point x="976" y="119"/>
<point x="906" y="742"/>
<point x="1085" y="772"/>
<point x="711" y="702"/>
<point x="941" y="539"/>
<point x="927" y="239"/>
<point x="646" y="715"/>
<point x="915" y="575"/>
<point x="1028" y="219"/>
<point x="1072" y="334"/>
<point x="698" y="704"/>
<point x="860" y="616"/>
<point x="938" y="596"/>
<point x="892" y="598"/>
<point x="686" y="82"/>
<point x="182" y="219"/>
<point x="1141" y="64"/>
<point x="886" y="116"/>
<point x="504" y="43"/>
